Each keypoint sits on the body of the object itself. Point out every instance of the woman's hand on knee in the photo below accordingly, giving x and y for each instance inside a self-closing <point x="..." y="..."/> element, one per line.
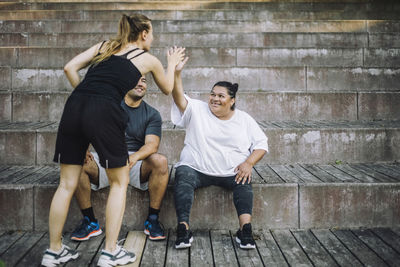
<point x="243" y="173"/>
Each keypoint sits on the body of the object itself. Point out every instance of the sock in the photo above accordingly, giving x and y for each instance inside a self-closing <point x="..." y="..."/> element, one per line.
<point x="89" y="213"/>
<point x="153" y="212"/>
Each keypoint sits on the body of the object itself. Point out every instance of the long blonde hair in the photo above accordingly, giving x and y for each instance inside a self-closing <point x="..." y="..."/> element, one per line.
<point x="129" y="29"/>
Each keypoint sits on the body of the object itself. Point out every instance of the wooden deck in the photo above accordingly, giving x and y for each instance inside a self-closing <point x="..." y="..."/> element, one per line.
<point x="322" y="247"/>
<point x="262" y="173"/>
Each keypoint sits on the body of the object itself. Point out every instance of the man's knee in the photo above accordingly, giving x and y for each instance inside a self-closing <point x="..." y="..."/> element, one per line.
<point x="158" y="162"/>
<point x="91" y="170"/>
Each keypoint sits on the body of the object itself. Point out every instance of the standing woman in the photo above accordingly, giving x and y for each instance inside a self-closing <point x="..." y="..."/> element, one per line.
<point x="92" y="114"/>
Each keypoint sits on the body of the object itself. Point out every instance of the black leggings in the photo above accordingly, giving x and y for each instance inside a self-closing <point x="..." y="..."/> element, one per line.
<point x="187" y="180"/>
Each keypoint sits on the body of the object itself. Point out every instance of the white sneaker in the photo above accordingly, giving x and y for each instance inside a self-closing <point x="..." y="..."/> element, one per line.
<point x="52" y="258"/>
<point x="119" y="257"/>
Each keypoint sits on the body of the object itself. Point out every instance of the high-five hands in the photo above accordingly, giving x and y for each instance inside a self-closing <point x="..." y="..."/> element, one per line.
<point x="175" y="55"/>
<point x="181" y="64"/>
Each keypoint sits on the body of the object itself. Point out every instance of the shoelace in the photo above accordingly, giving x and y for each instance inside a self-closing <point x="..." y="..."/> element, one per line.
<point x="120" y="241"/>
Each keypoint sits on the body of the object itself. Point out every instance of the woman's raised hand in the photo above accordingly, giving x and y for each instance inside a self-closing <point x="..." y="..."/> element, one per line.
<point x="175" y="55"/>
<point x="181" y="64"/>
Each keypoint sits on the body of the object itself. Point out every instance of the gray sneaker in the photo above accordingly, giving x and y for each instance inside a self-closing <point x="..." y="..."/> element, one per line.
<point x="120" y="257"/>
<point x="52" y="259"/>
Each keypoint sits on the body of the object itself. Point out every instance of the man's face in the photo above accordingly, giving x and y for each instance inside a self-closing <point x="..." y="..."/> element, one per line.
<point x="140" y="90"/>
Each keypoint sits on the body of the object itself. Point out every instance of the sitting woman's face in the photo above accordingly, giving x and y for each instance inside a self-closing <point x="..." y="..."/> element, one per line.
<point x="220" y="102"/>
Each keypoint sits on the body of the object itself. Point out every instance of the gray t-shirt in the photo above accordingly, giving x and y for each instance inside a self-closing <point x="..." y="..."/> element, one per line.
<point x="143" y="120"/>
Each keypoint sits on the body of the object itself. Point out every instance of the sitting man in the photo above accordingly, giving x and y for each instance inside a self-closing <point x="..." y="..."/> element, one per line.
<point x="148" y="169"/>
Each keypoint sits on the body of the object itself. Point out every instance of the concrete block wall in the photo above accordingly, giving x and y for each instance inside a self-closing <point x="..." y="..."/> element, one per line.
<point x="276" y="206"/>
<point x="294" y="61"/>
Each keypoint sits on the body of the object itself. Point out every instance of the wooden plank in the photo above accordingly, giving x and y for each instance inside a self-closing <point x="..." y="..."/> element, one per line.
<point x="267" y="174"/>
<point x="256" y="178"/>
<point x="339" y="174"/>
<point x="384" y="170"/>
<point x="154" y="252"/>
<point x="176" y="257"/>
<point x="269" y="250"/>
<point x="335" y="248"/>
<point x="303" y="174"/>
<point x="389" y="237"/>
<point x="365" y="255"/>
<point x="385" y="252"/>
<point x="247" y="257"/>
<point x="373" y="173"/>
<point x="87" y="251"/>
<point x="394" y="167"/>
<point x="50" y="177"/>
<point x="200" y="251"/>
<point x="285" y="174"/>
<point x="4" y="167"/>
<point x="8" y="239"/>
<point x="31" y="178"/>
<point x="135" y="242"/>
<point x="223" y="250"/>
<point x="362" y="177"/>
<point x="22" y="246"/>
<point x="8" y="172"/>
<point x="314" y="250"/>
<point x="321" y="174"/>
<point x="36" y="253"/>
<point x="396" y="230"/>
<point x="12" y="179"/>
<point x="292" y="251"/>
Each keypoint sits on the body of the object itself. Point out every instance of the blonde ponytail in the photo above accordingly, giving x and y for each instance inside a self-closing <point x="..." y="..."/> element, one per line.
<point x="128" y="31"/>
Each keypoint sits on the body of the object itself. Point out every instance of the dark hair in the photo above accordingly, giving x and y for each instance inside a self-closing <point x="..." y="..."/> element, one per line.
<point x="232" y="88"/>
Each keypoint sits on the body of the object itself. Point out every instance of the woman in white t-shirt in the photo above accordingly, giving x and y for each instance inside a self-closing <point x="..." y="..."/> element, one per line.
<point x="222" y="145"/>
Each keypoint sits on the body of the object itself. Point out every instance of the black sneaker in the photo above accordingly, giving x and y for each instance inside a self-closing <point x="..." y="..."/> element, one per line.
<point x="153" y="229"/>
<point x="184" y="237"/>
<point x="245" y="237"/>
<point x="51" y="258"/>
<point x="86" y="230"/>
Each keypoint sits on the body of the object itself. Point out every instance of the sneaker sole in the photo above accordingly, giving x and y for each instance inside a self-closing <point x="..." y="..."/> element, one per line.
<point x="184" y="245"/>
<point x="154" y="238"/>
<point x="248" y="246"/>
<point x="92" y="234"/>
<point x="49" y="263"/>
<point x="117" y="262"/>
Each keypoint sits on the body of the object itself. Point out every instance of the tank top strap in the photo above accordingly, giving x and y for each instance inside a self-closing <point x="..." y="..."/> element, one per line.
<point x="137" y="55"/>
<point x="127" y="53"/>
<point x="98" y="53"/>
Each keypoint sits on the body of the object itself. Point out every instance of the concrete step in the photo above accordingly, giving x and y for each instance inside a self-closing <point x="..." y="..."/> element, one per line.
<point x="232" y="56"/>
<point x="285" y="196"/>
<point x="290" y="142"/>
<point x="263" y="106"/>
<point x="46" y="75"/>
<point x="190" y="26"/>
<point x="355" y="9"/>
<point x="377" y="29"/>
<point x="214" y="39"/>
<point x="212" y="11"/>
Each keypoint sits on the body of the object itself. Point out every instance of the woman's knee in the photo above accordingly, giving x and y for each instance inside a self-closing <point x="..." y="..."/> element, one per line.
<point x="118" y="176"/>
<point x="185" y="175"/>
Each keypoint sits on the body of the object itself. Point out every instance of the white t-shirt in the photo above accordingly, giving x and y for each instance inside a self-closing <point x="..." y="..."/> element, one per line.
<point x="213" y="146"/>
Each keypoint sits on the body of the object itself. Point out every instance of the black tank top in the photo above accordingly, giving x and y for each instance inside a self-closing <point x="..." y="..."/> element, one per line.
<point x="111" y="78"/>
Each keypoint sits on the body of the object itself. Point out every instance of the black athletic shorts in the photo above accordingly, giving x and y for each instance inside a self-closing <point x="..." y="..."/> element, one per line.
<point x="96" y="120"/>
